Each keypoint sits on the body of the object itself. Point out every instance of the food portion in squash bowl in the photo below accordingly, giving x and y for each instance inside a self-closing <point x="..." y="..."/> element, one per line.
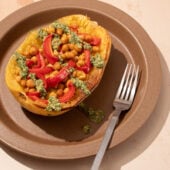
<point x="59" y="65"/>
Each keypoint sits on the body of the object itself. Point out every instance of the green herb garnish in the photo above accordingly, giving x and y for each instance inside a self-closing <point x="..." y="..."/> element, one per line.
<point x="97" y="61"/>
<point x="38" y="85"/>
<point x="81" y="84"/>
<point x="21" y="61"/>
<point x="42" y="34"/>
<point x="87" y="46"/>
<point x="95" y="115"/>
<point x="56" y="42"/>
<point x="86" y="129"/>
<point x="59" y="25"/>
<point x="53" y="104"/>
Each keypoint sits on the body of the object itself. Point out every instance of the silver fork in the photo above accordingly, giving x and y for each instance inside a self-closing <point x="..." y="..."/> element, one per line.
<point x="123" y="101"/>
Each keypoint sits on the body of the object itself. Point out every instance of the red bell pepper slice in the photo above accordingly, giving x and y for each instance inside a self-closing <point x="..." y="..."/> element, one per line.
<point x="42" y="71"/>
<point x="67" y="96"/>
<point x="53" y="81"/>
<point x="71" y="63"/>
<point x="29" y="63"/>
<point x="33" y="95"/>
<point x="95" y="41"/>
<point x="47" y="49"/>
<point x="86" y="67"/>
<point x="40" y="68"/>
<point x="62" y="75"/>
<point x="40" y="61"/>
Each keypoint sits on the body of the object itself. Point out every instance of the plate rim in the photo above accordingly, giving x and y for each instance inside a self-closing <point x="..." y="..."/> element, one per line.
<point x="123" y="20"/>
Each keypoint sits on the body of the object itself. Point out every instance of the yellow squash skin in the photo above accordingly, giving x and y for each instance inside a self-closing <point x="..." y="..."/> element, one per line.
<point x="85" y="25"/>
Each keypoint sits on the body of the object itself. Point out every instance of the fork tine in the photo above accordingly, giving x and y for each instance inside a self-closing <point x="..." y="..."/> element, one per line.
<point x="126" y="82"/>
<point x="130" y="83"/>
<point x="135" y="83"/>
<point x="122" y="82"/>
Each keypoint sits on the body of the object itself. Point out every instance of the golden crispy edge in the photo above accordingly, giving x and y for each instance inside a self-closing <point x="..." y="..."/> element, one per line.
<point x="85" y="26"/>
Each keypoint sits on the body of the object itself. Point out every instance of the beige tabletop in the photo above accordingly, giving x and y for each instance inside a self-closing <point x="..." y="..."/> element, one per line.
<point x="149" y="148"/>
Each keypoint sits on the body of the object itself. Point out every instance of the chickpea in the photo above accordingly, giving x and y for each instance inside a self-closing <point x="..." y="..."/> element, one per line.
<point x="59" y="31"/>
<point x="53" y="73"/>
<point x="57" y="66"/>
<point x="65" y="48"/>
<point x="50" y="29"/>
<point x="87" y="37"/>
<point x="49" y="65"/>
<point x="96" y="49"/>
<point x="18" y="78"/>
<point x="66" y="90"/>
<point x="80" y="63"/>
<point x="34" y="59"/>
<point x="23" y="82"/>
<point x="32" y="90"/>
<point x="74" y="74"/>
<point x="26" y="89"/>
<point x="61" y="86"/>
<point x="77" y="48"/>
<point x="55" y="52"/>
<point x="82" y="57"/>
<point x="30" y="83"/>
<point x="63" y="56"/>
<point x="64" y="39"/>
<point x="68" y="82"/>
<point x="59" y="92"/>
<point x="53" y="93"/>
<point x="74" y="52"/>
<point x="69" y="55"/>
<point x="40" y="49"/>
<point x="33" y="50"/>
<point x="25" y="53"/>
<point x="71" y="46"/>
<point x="81" y="75"/>
<point x="76" y="58"/>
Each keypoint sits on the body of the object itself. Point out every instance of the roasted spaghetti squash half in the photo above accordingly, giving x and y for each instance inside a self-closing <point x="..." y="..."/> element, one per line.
<point x="59" y="65"/>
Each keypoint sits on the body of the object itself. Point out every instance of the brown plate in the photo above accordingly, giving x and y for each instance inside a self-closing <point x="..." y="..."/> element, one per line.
<point x="62" y="137"/>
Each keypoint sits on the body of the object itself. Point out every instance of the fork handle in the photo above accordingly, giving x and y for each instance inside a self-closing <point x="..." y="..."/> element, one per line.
<point x="106" y="139"/>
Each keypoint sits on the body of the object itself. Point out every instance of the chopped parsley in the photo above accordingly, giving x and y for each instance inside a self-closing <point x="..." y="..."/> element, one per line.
<point x="42" y="34"/>
<point x="75" y="39"/>
<point x="56" y="42"/>
<point x="97" y="61"/>
<point x="81" y="84"/>
<point x="95" y="115"/>
<point x="53" y="104"/>
<point x="21" y="61"/>
<point x="38" y="85"/>
<point x="86" y="129"/>
<point x="59" y="25"/>
<point x="87" y="46"/>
